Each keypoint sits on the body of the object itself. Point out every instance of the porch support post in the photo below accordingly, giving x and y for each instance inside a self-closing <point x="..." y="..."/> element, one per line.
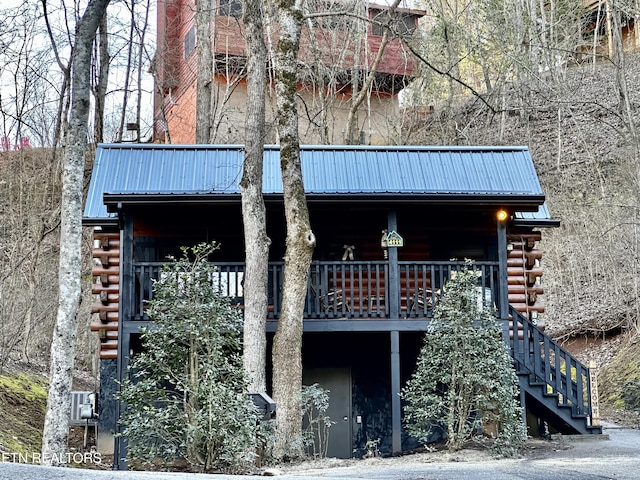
<point x="523" y="407"/>
<point x="107" y="420"/>
<point x="126" y="284"/>
<point x="503" y="306"/>
<point x="396" y="411"/>
<point x="394" y="315"/>
<point x="503" y="281"/>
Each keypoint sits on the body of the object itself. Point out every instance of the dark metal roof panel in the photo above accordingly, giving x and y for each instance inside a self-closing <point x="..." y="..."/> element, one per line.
<point x="174" y="170"/>
<point x="428" y="170"/>
<point x="539" y="218"/>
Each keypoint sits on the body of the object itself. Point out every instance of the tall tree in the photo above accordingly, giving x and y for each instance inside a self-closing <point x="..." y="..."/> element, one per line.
<point x="300" y="239"/>
<point x="253" y="208"/>
<point x="56" y="426"/>
<point x="101" y="79"/>
<point x="205" y="83"/>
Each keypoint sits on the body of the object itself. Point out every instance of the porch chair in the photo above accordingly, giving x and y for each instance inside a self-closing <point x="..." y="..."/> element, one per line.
<point x="424" y="297"/>
<point x="333" y="300"/>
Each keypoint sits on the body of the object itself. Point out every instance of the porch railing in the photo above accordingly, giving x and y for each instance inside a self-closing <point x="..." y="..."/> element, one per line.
<point x="338" y="290"/>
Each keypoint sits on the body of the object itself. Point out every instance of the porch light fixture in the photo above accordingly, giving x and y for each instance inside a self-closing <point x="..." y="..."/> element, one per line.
<point x="502" y="215"/>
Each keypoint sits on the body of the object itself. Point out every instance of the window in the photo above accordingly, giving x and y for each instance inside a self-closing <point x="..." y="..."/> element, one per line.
<point x="402" y="23"/>
<point x="231" y="8"/>
<point x="379" y="19"/>
<point x="190" y="41"/>
<point x="337" y="20"/>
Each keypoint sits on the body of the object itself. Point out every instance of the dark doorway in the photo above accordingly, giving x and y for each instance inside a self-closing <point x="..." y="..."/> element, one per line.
<point x="338" y="382"/>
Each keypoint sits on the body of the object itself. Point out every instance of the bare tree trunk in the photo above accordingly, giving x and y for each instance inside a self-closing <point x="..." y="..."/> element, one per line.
<point x="619" y="59"/>
<point x="253" y="209"/>
<point x="610" y="40"/>
<point x="287" y="344"/>
<point x="636" y="24"/>
<point x="142" y="32"/>
<point x="596" y="37"/>
<point x="31" y="299"/>
<point x="102" y="79"/>
<point x="127" y="75"/>
<point x="204" y="81"/>
<point x="61" y="125"/>
<point x="482" y="55"/>
<point x="56" y="424"/>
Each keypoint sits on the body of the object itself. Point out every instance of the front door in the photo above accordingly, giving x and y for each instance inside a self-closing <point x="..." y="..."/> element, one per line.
<point x="338" y="382"/>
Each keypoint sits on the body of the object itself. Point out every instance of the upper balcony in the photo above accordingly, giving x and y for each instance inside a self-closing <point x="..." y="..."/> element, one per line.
<point x="341" y="43"/>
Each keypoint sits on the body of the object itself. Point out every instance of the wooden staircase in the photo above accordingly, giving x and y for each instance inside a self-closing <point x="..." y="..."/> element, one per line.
<point x="555" y="387"/>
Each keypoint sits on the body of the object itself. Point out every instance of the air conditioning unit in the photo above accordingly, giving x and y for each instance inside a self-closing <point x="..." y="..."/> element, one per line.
<point x="83" y="409"/>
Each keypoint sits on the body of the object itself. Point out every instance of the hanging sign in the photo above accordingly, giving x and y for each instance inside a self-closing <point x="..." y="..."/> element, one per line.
<point x="394" y="239"/>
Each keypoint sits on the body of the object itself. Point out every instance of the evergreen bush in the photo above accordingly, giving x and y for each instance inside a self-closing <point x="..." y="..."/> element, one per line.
<point x="187" y="393"/>
<point x="464" y="381"/>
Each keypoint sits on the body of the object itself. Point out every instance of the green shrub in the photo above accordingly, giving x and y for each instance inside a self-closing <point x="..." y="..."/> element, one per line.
<point x="464" y="381"/>
<point x="315" y="403"/>
<point x="187" y="393"/>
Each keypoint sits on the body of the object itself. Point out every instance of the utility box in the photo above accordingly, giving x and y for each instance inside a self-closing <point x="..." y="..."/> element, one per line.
<point x="265" y="404"/>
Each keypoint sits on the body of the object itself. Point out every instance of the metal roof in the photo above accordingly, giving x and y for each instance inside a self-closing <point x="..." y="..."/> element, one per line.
<point x="152" y="172"/>
<point x="538" y="218"/>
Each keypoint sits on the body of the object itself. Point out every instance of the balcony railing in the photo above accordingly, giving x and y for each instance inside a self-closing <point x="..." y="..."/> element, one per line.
<point x="339" y="290"/>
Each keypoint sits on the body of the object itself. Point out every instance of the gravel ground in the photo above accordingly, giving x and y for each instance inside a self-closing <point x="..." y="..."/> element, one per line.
<point x="614" y="455"/>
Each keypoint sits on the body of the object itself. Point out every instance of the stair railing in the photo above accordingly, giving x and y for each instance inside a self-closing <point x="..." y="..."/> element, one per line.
<point x="547" y="363"/>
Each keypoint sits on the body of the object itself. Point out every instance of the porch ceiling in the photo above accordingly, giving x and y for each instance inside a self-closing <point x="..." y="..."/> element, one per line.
<point x="144" y="174"/>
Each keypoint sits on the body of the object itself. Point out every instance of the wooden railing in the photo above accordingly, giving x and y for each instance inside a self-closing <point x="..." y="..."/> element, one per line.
<point x="228" y="277"/>
<point x="429" y="278"/>
<point x="547" y="363"/>
<point x="338" y="290"/>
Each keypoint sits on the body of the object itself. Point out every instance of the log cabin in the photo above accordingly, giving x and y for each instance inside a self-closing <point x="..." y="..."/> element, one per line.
<point x="392" y="224"/>
<point x="336" y="53"/>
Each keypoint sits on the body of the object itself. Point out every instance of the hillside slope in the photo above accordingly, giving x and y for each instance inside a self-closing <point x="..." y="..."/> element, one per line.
<point x="23" y="400"/>
<point x="586" y="162"/>
<point x="589" y="167"/>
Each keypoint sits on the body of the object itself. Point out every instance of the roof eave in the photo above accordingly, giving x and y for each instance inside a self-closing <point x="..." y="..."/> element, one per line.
<point x="542" y="223"/>
<point x="526" y="202"/>
<point x="99" y="221"/>
<point x="518" y="201"/>
<point x="113" y="200"/>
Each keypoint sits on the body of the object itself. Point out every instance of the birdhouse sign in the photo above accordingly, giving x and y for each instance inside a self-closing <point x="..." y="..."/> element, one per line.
<point x="394" y="239"/>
